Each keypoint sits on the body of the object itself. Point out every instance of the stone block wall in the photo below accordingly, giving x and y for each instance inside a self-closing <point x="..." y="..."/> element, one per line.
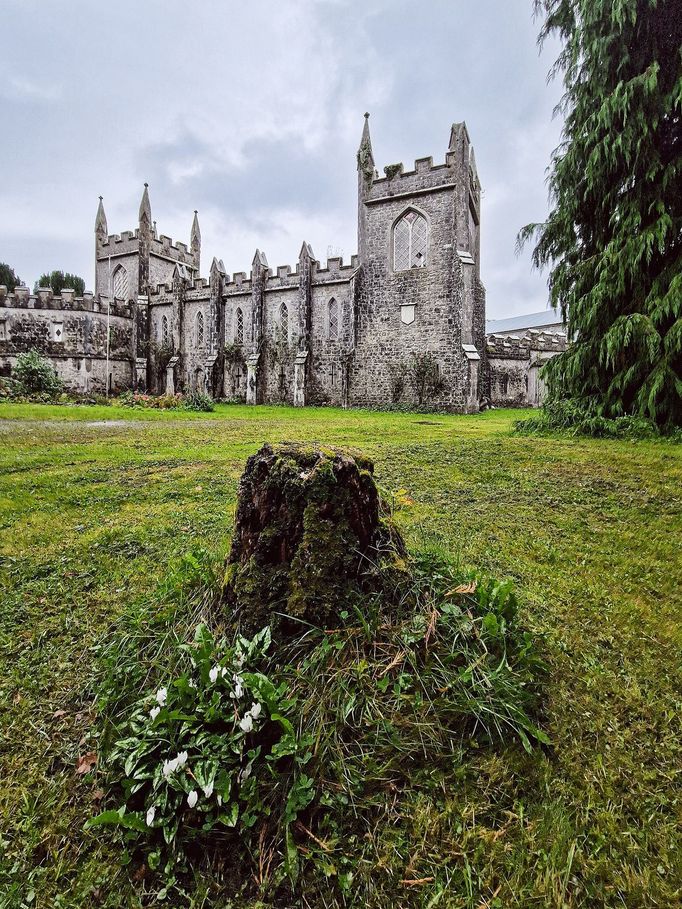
<point x="72" y="332"/>
<point x="513" y="374"/>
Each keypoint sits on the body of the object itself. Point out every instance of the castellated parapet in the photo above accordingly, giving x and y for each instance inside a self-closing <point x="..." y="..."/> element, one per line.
<point x="72" y="332"/>
<point x="514" y="364"/>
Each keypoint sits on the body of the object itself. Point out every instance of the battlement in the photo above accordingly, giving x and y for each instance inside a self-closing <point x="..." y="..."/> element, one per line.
<point x="67" y="301"/>
<point x="180" y="252"/>
<point x="128" y="241"/>
<point x="520" y="347"/>
<point x="423" y="177"/>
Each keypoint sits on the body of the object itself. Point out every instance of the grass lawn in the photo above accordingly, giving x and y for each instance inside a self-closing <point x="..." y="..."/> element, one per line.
<point x="95" y="503"/>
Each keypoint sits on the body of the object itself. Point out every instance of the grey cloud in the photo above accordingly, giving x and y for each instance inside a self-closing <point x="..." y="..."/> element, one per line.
<point x="255" y="117"/>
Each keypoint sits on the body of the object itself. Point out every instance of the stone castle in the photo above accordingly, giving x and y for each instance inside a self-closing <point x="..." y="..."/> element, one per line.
<point x="403" y="322"/>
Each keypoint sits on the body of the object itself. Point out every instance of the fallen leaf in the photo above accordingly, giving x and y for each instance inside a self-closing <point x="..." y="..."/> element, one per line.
<point x="86" y="762"/>
<point x="58" y="713"/>
<point x="463" y="588"/>
<point x="17" y="698"/>
<point x="97" y="795"/>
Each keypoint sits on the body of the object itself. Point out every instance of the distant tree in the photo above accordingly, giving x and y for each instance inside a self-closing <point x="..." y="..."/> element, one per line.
<point x="613" y="240"/>
<point x="8" y="277"/>
<point x="58" y="280"/>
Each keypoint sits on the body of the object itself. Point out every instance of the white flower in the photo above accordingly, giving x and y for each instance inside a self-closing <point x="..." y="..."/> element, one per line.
<point x="213" y="675"/>
<point x="256" y="710"/>
<point x="161" y="696"/>
<point x="192" y="798"/>
<point x="223" y="671"/>
<point x="238" y="682"/>
<point x="246" y="725"/>
<point x="150" y="816"/>
<point x="192" y="683"/>
<point x="208" y="789"/>
<point x="154" y="712"/>
<point x="239" y="660"/>
<point x="245" y="774"/>
<point x="172" y="765"/>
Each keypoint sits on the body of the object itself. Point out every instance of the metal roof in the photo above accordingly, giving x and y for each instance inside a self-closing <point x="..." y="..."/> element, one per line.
<point x="530" y="320"/>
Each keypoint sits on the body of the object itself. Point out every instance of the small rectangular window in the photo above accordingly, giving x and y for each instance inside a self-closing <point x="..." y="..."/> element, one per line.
<point x="3" y="331"/>
<point x="333" y="373"/>
<point x="57" y="331"/>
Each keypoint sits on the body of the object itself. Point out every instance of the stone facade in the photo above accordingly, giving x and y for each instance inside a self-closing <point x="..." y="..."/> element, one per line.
<point x="72" y="332"/>
<point x="513" y="364"/>
<point x="402" y="323"/>
<point x="352" y="334"/>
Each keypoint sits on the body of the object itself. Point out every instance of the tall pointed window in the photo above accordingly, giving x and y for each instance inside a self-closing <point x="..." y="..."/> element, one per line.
<point x="409" y="242"/>
<point x="199" y="330"/>
<point x="165" y="332"/>
<point x="333" y="320"/>
<point x="119" y="283"/>
<point x="239" y="326"/>
<point x="284" y="322"/>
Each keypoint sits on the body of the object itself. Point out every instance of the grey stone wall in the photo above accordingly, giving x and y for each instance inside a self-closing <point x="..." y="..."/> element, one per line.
<point x="513" y="376"/>
<point x="72" y="332"/>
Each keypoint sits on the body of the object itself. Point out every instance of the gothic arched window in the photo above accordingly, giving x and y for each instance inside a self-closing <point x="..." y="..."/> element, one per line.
<point x="199" y="330"/>
<point x="239" y="326"/>
<point x="409" y="241"/>
<point x="284" y="321"/>
<point x="165" y="332"/>
<point x="119" y="283"/>
<point x="333" y="319"/>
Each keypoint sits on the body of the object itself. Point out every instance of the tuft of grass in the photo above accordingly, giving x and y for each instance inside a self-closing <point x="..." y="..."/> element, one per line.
<point x="359" y="722"/>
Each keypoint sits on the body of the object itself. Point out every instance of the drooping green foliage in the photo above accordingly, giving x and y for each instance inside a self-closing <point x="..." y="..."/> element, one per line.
<point x="8" y="276"/>
<point x="613" y="239"/>
<point x="58" y="280"/>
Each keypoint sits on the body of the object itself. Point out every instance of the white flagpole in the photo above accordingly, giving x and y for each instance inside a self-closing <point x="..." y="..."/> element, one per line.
<point x="108" y="324"/>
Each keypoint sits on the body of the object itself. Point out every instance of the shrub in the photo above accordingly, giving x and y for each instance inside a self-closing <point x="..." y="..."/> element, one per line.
<point x="567" y="416"/>
<point x="36" y="375"/>
<point x="423" y="372"/>
<point x="198" y="401"/>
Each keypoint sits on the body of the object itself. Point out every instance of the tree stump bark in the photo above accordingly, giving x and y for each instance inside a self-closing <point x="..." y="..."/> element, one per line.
<point x="308" y="541"/>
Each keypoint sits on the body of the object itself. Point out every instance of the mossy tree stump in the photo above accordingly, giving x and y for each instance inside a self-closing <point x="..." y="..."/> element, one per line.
<point x="308" y="541"/>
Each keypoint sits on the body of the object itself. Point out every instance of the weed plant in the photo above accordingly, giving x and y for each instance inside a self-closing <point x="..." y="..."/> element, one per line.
<point x="285" y="758"/>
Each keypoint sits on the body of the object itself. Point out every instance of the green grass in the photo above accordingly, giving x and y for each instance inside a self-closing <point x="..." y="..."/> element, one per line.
<point x="92" y="514"/>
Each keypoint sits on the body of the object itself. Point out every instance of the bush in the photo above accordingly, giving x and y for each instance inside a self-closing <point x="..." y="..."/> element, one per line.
<point x="284" y="758"/>
<point x="198" y="401"/>
<point x="35" y="375"/>
<point x="566" y="416"/>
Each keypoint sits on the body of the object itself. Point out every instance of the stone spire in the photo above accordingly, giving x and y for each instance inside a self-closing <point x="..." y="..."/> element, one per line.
<point x="145" y="206"/>
<point x="195" y="235"/>
<point x="101" y="220"/>
<point x="365" y="155"/>
<point x="459" y="140"/>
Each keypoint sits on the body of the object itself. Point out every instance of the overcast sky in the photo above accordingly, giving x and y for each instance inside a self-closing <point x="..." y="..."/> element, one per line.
<point x="252" y="114"/>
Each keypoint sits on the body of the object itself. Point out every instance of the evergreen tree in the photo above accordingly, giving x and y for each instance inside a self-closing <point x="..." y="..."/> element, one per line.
<point x="8" y="277"/>
<point x="58" y="280"/>
<point x="613" y="240"/>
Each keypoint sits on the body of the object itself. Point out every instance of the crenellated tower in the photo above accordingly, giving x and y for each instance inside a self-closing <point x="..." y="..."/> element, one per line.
<point x="419" y="290"/>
